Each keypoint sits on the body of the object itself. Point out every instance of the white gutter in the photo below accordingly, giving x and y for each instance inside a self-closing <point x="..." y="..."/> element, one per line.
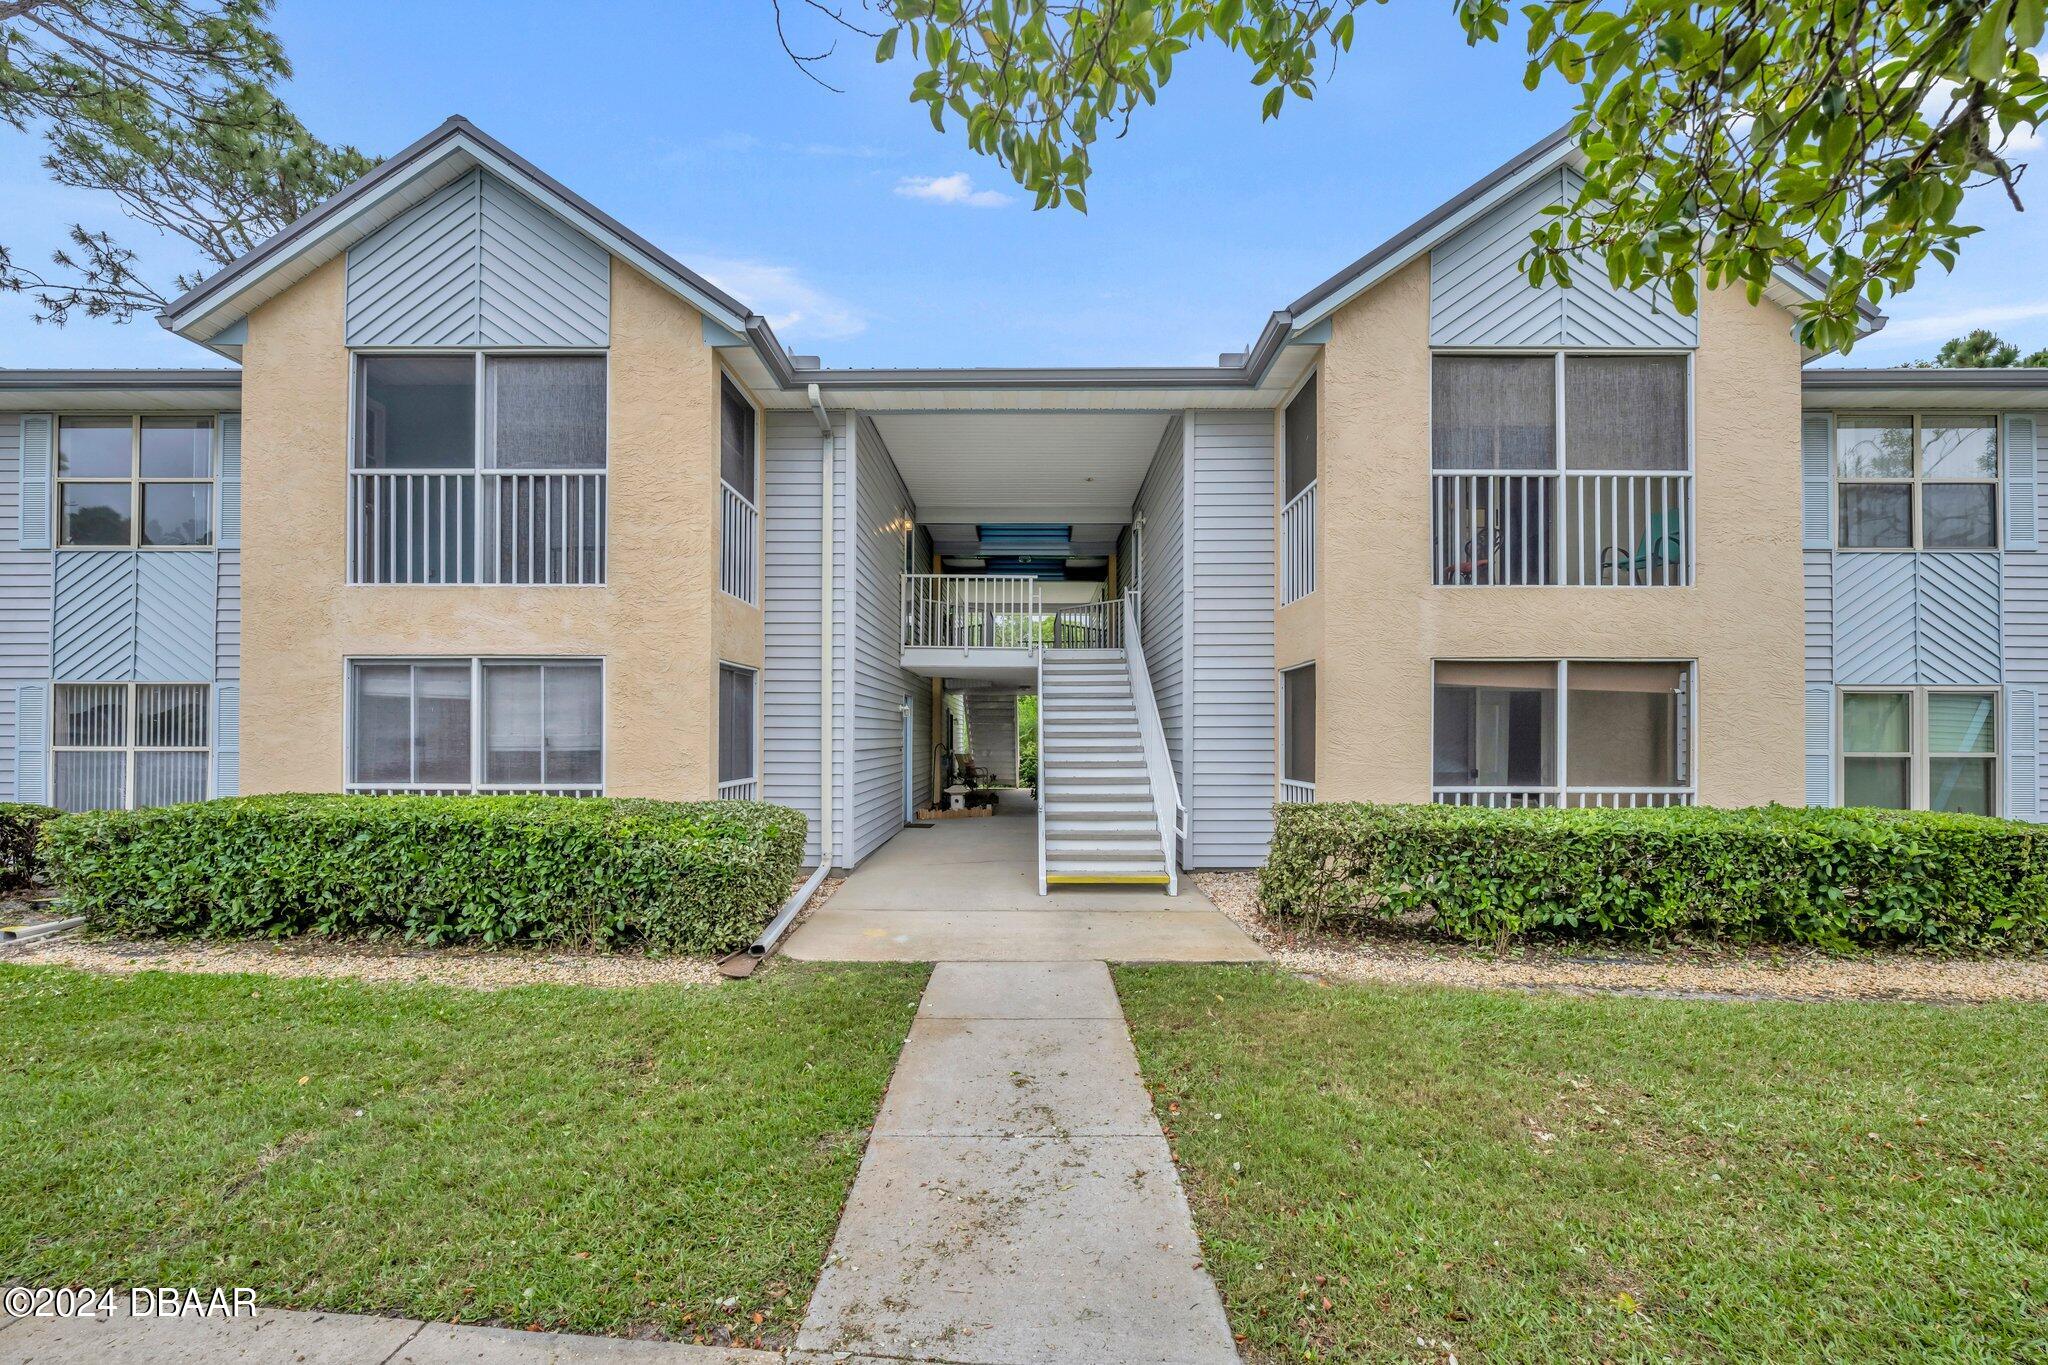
<point x="825" y="454"/>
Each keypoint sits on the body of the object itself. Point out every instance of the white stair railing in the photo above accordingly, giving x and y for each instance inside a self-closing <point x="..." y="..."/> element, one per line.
<point x="1038" y="720"/>
<point x="1166" y="808"/>
<point x="1090" y="625"/>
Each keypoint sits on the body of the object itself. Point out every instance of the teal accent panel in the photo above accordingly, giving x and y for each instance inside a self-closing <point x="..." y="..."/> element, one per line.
<point x="38" y="436"/>
<point x="2022" y="510"/>
<point x="174" y="617"/>
<point x="93" y="622"/>
<point x="1816" y="460"/>
<point x="1875" y="640"/>
<point x="1956" y="619"/>
<point x="1820" y="746"/>
<point x="478" y="264"/>
<point x="228" y="530"/>
<point x="32" y="742"/>
<point x="227" y="740"/>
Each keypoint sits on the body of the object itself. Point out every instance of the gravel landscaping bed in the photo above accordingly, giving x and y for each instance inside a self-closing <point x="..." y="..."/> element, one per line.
<point x="1780" y="973"/>
<point x="476" y="968"/>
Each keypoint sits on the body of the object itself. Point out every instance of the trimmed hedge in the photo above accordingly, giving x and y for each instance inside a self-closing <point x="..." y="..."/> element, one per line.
<point x="673" y="877"/>
<point x="21" y="824"/>
<point x="1823" y="876"/>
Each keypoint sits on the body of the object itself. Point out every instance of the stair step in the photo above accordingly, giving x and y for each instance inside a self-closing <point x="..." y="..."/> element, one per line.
<point x="1104" y="849"/>
<point x="1093" y="743"/>
<point x="1100" y="833"/>
<point x="1100" y="782"/>
<point x="1101" y="813"/>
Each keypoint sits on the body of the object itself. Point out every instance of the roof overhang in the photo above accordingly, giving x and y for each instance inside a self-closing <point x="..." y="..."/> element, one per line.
<point x="120" y="390"/>
<point x="1997" y="389"/>
<point x="211" y="311"/>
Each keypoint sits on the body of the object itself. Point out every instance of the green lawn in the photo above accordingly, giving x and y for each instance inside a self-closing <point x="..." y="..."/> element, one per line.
<point x="1524" y="1177"/>
<point x="593" y="1160"/>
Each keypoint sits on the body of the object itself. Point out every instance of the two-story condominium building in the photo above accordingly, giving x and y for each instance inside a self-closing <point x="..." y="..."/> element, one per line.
<point x="501" y="497"/>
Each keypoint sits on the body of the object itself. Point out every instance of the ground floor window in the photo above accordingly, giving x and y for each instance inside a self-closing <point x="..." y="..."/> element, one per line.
<point x="1298" y="734"/>
<point x="118" y="746"/>
<point x="450" y="726"/>
<point x="736" y="776"/>
<point x="1573" y="732"/>
<point x="1920" y="748"/>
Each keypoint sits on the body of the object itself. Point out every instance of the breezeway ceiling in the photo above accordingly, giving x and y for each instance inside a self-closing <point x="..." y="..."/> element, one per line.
<point x="1070" y="467"/>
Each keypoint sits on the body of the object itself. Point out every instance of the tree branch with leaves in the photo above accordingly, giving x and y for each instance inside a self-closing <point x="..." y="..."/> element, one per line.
<point x="1722" y="138"/>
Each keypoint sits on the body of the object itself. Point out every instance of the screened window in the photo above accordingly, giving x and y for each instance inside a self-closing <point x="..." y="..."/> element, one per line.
<point x="1493" y="412"/>
<point x="1928" y="482"/>
<point x="476" y="725"/>
<point x="118" y="746"/>
<point x="545" y="412"/>
<point x="1301" y="439"/>
<point x="135" y="481"/>
<point x="1496" y="725"/>
<point x="1580" y="733"/>
<point x="735" y="725"/>
<point x="1298" y="715"/>
<point x="1624" y="412"/>
<point x="1920" y="749"/>
<point x="736" y="440"/>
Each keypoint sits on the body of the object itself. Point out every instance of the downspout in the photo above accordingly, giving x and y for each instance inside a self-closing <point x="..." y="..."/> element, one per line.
<point x="825" y="456"/>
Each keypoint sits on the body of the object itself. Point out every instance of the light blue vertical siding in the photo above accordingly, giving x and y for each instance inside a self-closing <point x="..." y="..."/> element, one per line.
<point x="24" y="604"/>
<point x="880" y="683"/>
<point x="1162" y="501"/>
<point x="791" y="619"/>
<point x="1232" y="736"/>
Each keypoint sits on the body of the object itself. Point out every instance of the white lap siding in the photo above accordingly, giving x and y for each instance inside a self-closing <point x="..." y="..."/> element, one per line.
<point x="24" y="603"/>
<point x="875" y="773"/>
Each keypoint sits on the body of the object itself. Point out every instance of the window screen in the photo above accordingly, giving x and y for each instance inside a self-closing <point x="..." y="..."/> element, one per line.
<point x="416" y="412"/>
<point x="547" y="412"/>
<point x="1301" y="441"/>
<point x="1299" y="700"/>
<point x="736" y="440"/>
<point x="735" y="724"/>
<point x="1624" y="412"/>
<point x="1493" y="412"/>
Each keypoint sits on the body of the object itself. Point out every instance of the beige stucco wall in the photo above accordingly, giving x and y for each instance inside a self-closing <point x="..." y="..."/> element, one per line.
<point x="659" y="623"/>
<point x="1383" y="625"/>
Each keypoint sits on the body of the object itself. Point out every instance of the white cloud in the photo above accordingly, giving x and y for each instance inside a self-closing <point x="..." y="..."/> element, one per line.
<point x="779" y="293"/>
<point x="957" y="188"/>
<point x="1942" y="326"/>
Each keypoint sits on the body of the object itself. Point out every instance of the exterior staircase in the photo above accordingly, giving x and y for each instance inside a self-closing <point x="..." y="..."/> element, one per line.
<point x="1100" y="824"/>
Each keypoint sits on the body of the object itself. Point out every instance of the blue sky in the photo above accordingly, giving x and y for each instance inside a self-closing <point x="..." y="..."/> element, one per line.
<point x="872" y="240"/>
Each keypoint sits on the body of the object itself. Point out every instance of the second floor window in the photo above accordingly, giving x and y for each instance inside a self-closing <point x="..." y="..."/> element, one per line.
<point x="1916" y="483"/>
<point x="739" y="503"/>
<point x="135" y="482"/>
<point x="1572" y="469"/>
<point x="472" y="468"/>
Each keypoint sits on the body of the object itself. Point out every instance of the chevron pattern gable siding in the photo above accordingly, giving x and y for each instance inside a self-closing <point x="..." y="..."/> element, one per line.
<point x="1874" y="628"/>
<point x="1478" y="295"/>
<point x="93" y="625"/>
<point x="175" y="618"/>
<point x="542" y="283"/>
<point x="1956" y="619"/>
<point x="414" y="282"/>
<point x="478" y="264"/>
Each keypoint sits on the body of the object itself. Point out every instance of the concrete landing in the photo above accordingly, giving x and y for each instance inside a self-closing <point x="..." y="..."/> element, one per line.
<point x="1017" y="1201"/>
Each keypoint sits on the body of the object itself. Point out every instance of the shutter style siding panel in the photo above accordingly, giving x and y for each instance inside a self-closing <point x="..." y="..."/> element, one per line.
<point x="227" y="740"/>
<point x="177" y="601"/>
<point x="791" y="620"/>
<point x="32" y="728"/>
<point x="93" y="630"/>
<point x="2023" y="747"/>
<point x="1816" y="464"/>
<point x="1232" y="734"/>
<point x="478" y="264"/>
<point x="2022" y="509"/>
<point x="24" y="601"/>
<point x="1162" y="501"/>
<point x="1820" y="746"/>
<point x="228" y="532"/>
<point x="38" y="443"/>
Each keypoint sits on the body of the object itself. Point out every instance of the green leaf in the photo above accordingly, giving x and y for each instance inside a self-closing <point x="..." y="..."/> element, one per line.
<point x="886" y="48"/>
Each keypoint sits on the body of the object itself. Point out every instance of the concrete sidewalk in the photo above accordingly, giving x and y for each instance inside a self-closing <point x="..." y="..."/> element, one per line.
<point x="1017" y="1201"/>
<point x="328" y="1339"/>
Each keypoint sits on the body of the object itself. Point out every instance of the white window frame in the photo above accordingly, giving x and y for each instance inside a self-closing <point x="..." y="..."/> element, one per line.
<point x="1914" y="484"/>
<point x="135" y="480"/>
<point x="129" y="748"/>
<point x="1560" y="790"/>
<point x="1919" y="761"/>
<point x="482" y="439"/>
<point x="1293" y="790"/>
<point x="476" y="784"/>
<point x="728" y="789"/>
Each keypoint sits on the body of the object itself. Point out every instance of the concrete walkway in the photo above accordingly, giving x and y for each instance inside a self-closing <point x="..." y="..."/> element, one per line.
<point x="1017" y="1202"/>
<point x="967" y="890"/>
<point x="328" y="1339"/>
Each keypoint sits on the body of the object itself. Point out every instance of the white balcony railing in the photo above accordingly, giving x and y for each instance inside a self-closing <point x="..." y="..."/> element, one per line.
<point x="527" y="527"/>
<point x="1580" y="530"/>
<point x="1298" y="546"/>
<point x="1090" y="625"/>
<point x="1297" y="793"/>
<point x="1571" y="797"/>
<point x="740" y="789"/>
<point x="971" y="611"/>
<point x="463" y="789"/>
<point x="739" y="533"/>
